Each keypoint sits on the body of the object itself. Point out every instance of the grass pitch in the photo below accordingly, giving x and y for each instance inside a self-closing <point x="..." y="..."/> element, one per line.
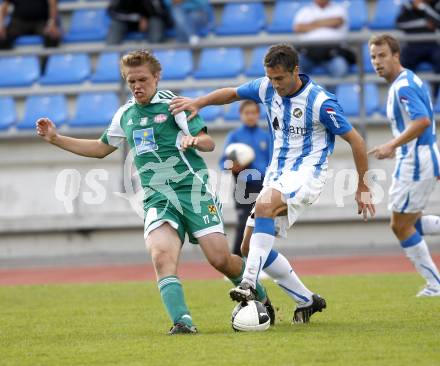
<point x="370" y="320"/>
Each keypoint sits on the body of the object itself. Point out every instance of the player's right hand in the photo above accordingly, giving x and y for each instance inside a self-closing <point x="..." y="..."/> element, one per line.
<point x="364" y="201"/>
<point x="180" y="104"/>
<point x="46" y="129"/>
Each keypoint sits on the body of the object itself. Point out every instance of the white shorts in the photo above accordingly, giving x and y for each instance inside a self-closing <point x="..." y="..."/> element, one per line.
<point x="409" y="196"/>
<point x="300" y="189"/>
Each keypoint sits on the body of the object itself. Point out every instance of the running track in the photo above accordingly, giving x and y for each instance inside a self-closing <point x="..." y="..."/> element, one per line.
<point x="202" y="270"/>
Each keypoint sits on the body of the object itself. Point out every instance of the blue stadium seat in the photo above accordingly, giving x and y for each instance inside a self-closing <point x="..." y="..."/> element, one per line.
<point x="88" y="25"/>
<point x="8" y="115"/>
<point x="256" y="68"/>
<point x="283" y="14"/>
<point x="232" y="112"/>
<point x="176" y="64"/>
<point x="203" y="31"/>
<point x="357" y="11"/>
<point x="66" y="69"/>
<point x="348" y="97"/>
<point x="368" y="67"/>
<point x="209" y="113"/>
<point x="95" y="109"/>
<point x="28" y="40"/>
<point x="425" y="67"/>
<point x="37" y="106"/>
<point x="19" y="70"/>
<point x="241" y="18"/>
<point x="107" y="68"/>
<point x="220" y="63"/>
<point x="385" y="14"/>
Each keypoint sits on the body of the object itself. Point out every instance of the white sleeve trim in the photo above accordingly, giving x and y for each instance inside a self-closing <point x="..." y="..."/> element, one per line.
<point x="115" y="134"/>
<point x="182" y="122"/>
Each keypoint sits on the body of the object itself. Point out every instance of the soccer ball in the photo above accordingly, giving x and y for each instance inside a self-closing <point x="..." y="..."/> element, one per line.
<point x="243" y="154"/>
<point x="250" y="316"/>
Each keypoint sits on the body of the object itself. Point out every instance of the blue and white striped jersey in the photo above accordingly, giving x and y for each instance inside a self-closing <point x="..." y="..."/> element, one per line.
<point x="303" y="125"/>
<point x="409" y="100"/>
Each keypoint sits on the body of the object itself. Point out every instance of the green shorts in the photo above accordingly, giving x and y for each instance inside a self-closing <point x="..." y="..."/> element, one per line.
<point x="185" y="211"/>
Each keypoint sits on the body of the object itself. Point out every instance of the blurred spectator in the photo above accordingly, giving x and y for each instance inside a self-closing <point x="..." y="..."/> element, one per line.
<point x="146" y="16"/>
<point x="189" y="17"/>
<point x="259" y="139"/>
<point x="323" y="21"/>
<point x="420" y="16"/>
<point x="38" y="17"/>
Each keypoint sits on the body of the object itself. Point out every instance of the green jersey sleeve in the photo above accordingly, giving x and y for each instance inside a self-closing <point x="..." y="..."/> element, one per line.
<point x="192" y="127"/>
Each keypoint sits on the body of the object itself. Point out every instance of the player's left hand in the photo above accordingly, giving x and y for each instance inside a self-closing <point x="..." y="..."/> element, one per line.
<point x="385" y="151"/>
<point x="180" y="104"/>
<point x="364" y="200"/>
<point x="188" y="141"/>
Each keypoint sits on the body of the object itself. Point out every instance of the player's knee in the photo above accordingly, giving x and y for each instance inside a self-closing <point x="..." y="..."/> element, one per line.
<point x="397" y="227"/>
<point x="162" y="261"/>
<point x="220" y="262"/>
<point x="264" y="209"/>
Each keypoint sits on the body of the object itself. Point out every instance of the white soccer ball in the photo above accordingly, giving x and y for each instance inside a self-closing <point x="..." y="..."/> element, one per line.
<point x="243" y="154"/>
<point x="250" y="316"/>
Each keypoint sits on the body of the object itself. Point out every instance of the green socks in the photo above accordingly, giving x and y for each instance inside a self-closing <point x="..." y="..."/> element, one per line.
<point x="172" y="296"/>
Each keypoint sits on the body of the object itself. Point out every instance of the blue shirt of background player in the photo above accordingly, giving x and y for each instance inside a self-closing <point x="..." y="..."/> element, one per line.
<point x="331" y="116"/>
<point x="415" y="99"/>
<point x="256" y="137"/>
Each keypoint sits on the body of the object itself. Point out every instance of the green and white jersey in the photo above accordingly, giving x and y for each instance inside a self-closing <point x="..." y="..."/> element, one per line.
<point x="154" y="135"/>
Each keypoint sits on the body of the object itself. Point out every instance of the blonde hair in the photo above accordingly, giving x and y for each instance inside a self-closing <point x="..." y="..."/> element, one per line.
<point x="139" y="58"/>
<point x="388" y="39"/>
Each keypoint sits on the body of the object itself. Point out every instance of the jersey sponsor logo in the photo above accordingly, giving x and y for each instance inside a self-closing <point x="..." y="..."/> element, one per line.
<point x="296" y="130"/>
<point x="144" y="141"/>
<point x="332" y="114"/>
<point x="144" y="121"/>
<point x="212" y="209"/>
<point x="297" y="113"/>
<point x="290" y="130"/>
<point x="160" y="118"/>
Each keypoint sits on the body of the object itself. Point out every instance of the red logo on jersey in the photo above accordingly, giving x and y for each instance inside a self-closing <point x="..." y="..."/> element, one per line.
<point x="160" y="118"/>
<point x="331" y="112"/>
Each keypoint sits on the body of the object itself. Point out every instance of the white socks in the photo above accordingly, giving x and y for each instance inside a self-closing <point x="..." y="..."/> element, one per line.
<point x="417" y="251"/>
<point x="428" y="225"/>
<point x="260" y="245"/>
<point x="279" y="268"/>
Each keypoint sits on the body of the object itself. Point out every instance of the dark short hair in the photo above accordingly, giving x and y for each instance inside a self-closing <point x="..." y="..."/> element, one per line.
<point x="388" y="39"/>
<point x="138" y="58"/>
<point x="281" y="55"/>
<point x="245" y="103"/>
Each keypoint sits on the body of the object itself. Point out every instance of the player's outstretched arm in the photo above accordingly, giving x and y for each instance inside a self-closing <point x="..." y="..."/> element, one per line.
<point x="363" y="194"/>
<point x="84" y="147"/>
<point x="217" y="97"/>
